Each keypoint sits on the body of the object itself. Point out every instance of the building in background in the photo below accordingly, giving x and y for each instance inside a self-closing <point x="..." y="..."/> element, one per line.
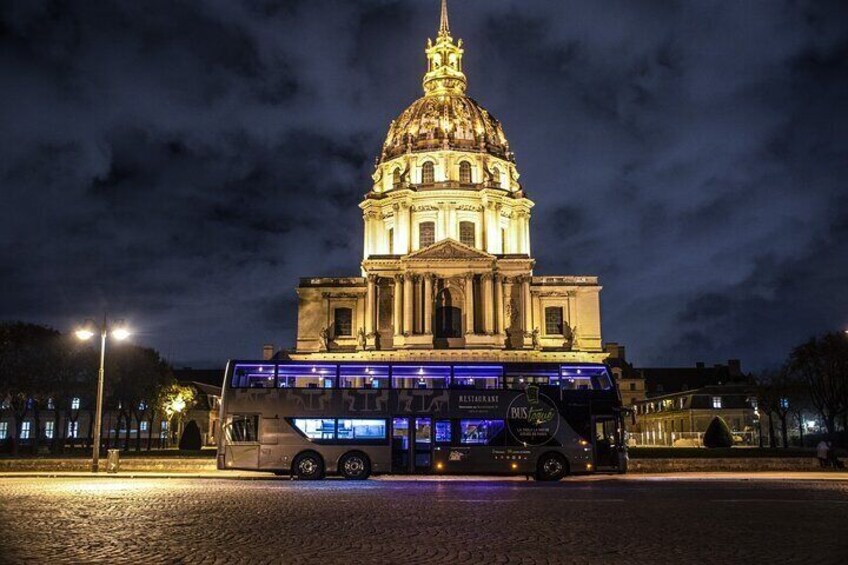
<point x="631" y="384"/>
<point x="447" y="269"/>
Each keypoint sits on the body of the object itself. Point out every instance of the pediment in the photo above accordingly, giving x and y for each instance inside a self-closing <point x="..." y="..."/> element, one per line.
<point x="450" y="249"/>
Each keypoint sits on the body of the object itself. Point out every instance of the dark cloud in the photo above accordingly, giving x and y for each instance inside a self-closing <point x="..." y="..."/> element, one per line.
<point x="181" y="164"/>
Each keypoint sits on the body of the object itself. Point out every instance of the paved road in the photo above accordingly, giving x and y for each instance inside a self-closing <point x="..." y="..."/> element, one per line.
<point x="408" y="522"/>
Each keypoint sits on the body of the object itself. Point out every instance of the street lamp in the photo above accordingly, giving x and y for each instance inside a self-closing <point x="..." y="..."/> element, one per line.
<point x="119" y="332"/>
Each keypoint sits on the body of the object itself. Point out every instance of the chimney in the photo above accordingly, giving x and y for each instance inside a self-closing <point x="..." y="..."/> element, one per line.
<point x="267" y="352"/>
<point x="734" y="367"/>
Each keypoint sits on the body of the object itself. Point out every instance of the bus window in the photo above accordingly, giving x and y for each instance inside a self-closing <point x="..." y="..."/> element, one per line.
<point x="363" y="376"/>
<point x="316" y="428"/>
<point x="423" y="376"/>
<point x="306" y="376"/>
<point x="518" y="379"/>
<point x="443" y="431"/>
<point x="242" y="428"/>
<point x="480" y="432"/>
<point x="253" y="376"/>
<point x="478" y="376"/>
<point x="361" y="429"/>
<point x="576" y="378"/>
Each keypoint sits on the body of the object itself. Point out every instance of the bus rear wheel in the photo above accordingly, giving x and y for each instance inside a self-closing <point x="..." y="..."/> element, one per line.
<point x="551" y="467"/>
<point x="308" y="467"/>
<point x="355" y="466"/>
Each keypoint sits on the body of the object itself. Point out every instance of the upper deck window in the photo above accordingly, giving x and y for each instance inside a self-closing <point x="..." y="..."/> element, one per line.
<point x="478" y="376"/>
<point x="363" y="376"/>
<point x="253" y="375"/>
<point x="306" y="376"/>
<point x="420" y="376"/>
<point x="585" y="377"/>
<point x="518" y="378"/>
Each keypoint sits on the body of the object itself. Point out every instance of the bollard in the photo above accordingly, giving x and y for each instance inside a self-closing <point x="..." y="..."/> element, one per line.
<point x="113" y="460"/>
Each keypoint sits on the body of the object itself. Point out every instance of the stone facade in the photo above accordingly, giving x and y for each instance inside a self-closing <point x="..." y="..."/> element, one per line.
<point x="447" y="270"/>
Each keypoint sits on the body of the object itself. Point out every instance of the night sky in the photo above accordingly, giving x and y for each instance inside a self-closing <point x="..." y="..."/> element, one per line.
<point x="180" y="164"/>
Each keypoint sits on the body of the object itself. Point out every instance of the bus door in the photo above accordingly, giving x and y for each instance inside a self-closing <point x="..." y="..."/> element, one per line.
<point x="423" y="444"/>
<point x="607" y="442"/>
<point x="401" y="461"/>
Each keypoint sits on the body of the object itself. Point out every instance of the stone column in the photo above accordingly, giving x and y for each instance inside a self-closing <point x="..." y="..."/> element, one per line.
<point x="488" y="303"/>
<point x="370" y="304"/>
<point x="407" y="304"/>
<point x="469" y="303"/>
<point x="428" y="304"/>
<point x="499" y="304"/>
<point x="526" y="305"/>
<point x="397" y="310"/>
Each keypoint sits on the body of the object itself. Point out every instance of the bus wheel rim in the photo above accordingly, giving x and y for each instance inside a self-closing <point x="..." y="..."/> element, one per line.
<point x="307" y="466"/>
<point x="354" y="466"/>
<point x="552" y="466"/>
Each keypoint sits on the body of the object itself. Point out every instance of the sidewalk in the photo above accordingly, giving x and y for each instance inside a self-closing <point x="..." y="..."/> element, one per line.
<point x="256" y="476"/>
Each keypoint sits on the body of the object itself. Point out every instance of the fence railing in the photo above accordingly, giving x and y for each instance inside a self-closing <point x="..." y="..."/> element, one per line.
<point x="686" y="439"/>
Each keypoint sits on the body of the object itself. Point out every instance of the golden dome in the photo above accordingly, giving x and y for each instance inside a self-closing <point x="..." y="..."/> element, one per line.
<point x="445" y="118"/>
<point x="446" y="121"/>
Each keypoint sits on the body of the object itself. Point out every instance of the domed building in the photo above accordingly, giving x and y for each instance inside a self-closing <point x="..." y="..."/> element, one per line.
<point x="447" y="270"/>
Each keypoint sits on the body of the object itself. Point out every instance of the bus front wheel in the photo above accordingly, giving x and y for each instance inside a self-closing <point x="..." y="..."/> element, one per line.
<point x="355" y="466"/>
<point x="308" y="466"/>
<point x="551" y="467"/>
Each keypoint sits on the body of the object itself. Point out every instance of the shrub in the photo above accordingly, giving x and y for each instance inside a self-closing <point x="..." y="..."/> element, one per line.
<point x="191" y="440"/>
<point x="718" y="434"/>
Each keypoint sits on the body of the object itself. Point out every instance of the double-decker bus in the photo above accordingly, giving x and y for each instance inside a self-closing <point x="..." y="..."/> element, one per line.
<point x="309" y="419"/>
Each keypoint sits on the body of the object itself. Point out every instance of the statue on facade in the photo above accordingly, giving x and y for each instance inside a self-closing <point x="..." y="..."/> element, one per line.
<point x="324" y="336"/>
<point x="361" y="338"/>
<point x="570" y="333"/>
<point x="534" y="335"/>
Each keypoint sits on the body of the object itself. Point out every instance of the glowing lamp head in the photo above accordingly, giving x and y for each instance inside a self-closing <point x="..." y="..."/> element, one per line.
<point x="440" y="466"/>
<point x="515" y="465"/>
<point x="86" y="331"/>
<point x="120" y="332"/>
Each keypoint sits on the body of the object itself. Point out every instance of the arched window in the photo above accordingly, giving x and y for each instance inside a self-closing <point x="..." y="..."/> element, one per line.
<point x="496" y="177"/>
<point x="553" y="320"/>
<point x="503" y="241"/>
<point x="426" y="234"/>
<point x="465" y="172"/>
<point x="428" y="173"/>
<point x="466" y="233"/>
<point x="343" y="318"/>
<point x="396" y="178"/>
<point x="391" y="237"/>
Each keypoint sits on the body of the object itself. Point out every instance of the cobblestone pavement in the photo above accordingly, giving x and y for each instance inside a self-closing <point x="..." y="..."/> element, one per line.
<point x="401" y="522"/>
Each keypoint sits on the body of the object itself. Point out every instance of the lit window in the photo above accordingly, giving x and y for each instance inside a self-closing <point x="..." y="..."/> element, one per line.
<point x="363" y="376"/>
<point x="478" y="376"/>
<point x="306" y="376"/>
<point x="716" y="402"/>
<point x="4" y="430"/>
<point x="428" y="173"/>
<point x="784" y="403"/>
<point x="143" y="426"/>
<point x="343" y="322"/>
<point x="426" y="234"/>
<point x="26" y="427"/>
<point x="481" y="432"/>
<point x="51" y="405"/>
<point x="142" y="406"/>
<point x="423" y="377"/>
<point x="48" y="430"/>
<point x="253" y="376"/>
<point x="466" y="233"/>
<point x="465" y="172"/>
<point x="73" y="429"/>
<point x="75" y="404"/>
<point x="163" y="425"/>
<point x="361" y="430"/>
<point x="242" y="428"/>
<point x="443" y="431"/>
<point x="553" y="320"/>
<point x="316" y="428"/>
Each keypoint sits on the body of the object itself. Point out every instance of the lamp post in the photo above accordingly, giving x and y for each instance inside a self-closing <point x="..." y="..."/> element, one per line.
<point x="119" y="332"/>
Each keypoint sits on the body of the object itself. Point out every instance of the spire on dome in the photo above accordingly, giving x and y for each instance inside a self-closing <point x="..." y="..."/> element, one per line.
<point x="444" y="61"/>
<point x="444" y="25"/>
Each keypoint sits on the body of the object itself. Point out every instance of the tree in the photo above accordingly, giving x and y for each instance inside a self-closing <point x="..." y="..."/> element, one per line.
<point x="191" y="440"/>
<point x="822" y="363"/>
<point x="28" y="357"/>
<point x="718" y="434"/>
<point x="175" y="401"/>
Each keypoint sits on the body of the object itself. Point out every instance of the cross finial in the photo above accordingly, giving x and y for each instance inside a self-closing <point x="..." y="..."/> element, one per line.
<point x="444" y="25"/>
